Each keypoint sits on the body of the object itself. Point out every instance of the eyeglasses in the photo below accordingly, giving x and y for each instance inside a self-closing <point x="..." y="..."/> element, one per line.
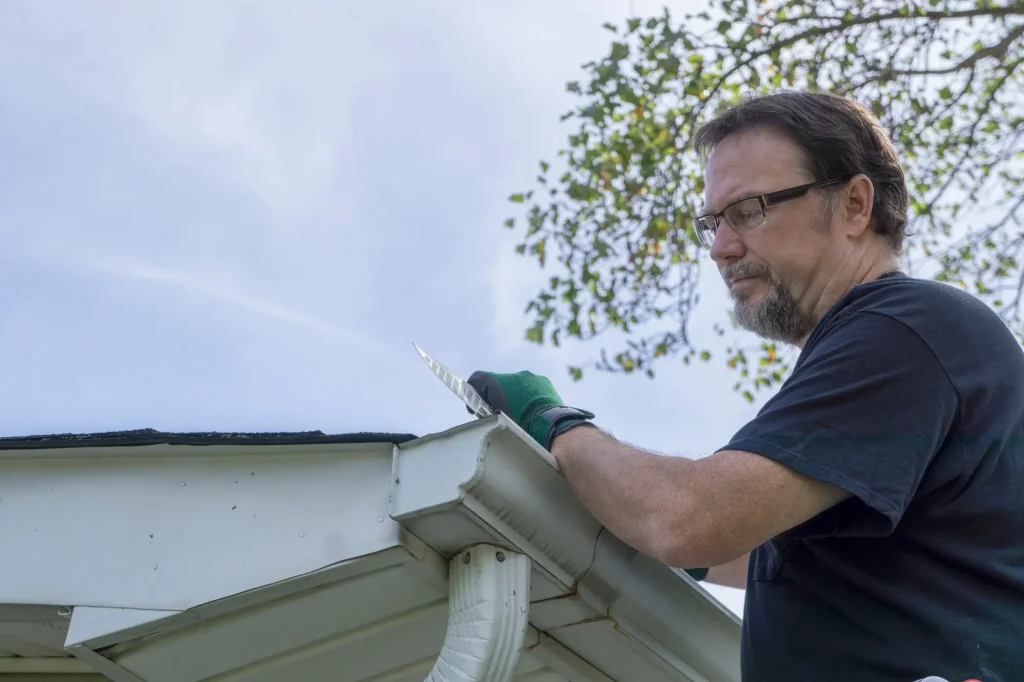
<point x="747" y="214"/>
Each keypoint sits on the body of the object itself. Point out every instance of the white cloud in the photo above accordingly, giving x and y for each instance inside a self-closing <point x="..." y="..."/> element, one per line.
<point x="254" y="93"/>
<point x="220" y="286"/>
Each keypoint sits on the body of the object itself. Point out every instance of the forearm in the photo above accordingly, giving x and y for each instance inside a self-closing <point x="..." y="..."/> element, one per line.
<point x="639" y="496"/>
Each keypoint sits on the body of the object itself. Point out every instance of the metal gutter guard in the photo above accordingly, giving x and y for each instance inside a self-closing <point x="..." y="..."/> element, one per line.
<point x="488" y="607"/>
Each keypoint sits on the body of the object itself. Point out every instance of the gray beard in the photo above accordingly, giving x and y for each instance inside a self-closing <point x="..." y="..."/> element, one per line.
<point x="777" y="317"/>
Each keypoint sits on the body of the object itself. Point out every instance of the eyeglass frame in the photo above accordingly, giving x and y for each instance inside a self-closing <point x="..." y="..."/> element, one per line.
<point x="766" y="200"/>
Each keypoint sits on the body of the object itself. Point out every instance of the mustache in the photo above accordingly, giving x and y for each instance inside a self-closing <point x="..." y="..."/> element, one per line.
<point x="745" y="270"/>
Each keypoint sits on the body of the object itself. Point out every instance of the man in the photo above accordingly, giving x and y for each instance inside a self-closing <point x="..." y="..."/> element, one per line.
<point x="880" y="494"/>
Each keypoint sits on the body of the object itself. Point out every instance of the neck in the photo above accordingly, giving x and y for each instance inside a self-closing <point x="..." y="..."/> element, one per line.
<point x="864" y="267"/>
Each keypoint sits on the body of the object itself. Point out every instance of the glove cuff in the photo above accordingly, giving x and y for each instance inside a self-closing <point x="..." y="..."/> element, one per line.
<point x="697" y="573"/>
<point x="554" y="421"/>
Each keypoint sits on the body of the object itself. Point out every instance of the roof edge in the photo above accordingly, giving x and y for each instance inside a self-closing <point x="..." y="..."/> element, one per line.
<point x="144" y="437"/>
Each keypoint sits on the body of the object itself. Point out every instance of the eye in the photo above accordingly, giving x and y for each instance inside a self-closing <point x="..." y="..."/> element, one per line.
<point x="745" y="214"/>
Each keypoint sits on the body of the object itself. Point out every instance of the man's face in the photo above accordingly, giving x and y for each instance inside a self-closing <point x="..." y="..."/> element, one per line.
<point x="774" y="271"/>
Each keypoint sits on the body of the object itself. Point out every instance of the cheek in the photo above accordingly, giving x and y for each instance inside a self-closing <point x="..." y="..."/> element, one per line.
<point x="791" y="249"/>
<point x="766" y="249"/>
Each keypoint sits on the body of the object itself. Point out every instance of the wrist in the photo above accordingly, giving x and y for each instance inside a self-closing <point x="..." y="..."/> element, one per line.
<point x="555" y="421"/>
<point x="572" y="439"/>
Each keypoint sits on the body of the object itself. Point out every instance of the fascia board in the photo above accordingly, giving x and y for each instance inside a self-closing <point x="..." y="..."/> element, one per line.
<point x="171" y="533"/>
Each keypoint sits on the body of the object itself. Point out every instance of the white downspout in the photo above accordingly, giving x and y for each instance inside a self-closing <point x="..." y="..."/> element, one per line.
<point x="488" y="609"/>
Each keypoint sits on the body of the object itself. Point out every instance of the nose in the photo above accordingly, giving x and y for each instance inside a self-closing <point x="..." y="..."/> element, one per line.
<point x="726" y="246"/>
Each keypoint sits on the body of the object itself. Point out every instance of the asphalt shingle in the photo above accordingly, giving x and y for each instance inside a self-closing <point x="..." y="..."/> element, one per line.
<point x="153" y="437"/>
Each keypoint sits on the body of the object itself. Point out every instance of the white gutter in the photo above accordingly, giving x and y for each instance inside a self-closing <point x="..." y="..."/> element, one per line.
<point x="488" y="605"/>
<point x="488" y="483"/>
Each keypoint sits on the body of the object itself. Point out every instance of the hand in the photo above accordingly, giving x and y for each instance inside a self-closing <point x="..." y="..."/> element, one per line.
<point x="531" y="401"/>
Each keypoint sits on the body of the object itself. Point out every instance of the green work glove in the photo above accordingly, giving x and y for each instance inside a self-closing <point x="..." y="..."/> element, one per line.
<point x="531" y="401"/>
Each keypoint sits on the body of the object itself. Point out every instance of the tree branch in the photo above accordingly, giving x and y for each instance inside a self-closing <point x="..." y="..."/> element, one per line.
<point x="975" y="238"/>
<point x="1006" y="11"/>
<point x="969" y="144"/>
<point x="998" y="50"/>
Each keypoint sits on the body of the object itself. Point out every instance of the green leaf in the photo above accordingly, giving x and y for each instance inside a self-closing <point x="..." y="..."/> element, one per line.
<point x="615" y="227"/>
<point x="510" y="223"/>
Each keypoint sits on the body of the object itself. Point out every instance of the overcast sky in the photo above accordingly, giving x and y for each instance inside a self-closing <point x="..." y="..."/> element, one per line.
<point x="239" y="216"/>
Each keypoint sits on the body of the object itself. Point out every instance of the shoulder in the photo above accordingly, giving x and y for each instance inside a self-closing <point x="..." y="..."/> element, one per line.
<point x="913" y="300"/>
<point x="935" y="336"/>
<point x="897" y="291"/>
<point x="943" y="317"/>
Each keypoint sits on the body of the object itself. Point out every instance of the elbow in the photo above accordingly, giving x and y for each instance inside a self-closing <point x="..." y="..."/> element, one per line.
<point x="686" y="526"/>
<point x="675" y="549"/>
<point x="691" y="540"/>
<point x="672" y="540"/>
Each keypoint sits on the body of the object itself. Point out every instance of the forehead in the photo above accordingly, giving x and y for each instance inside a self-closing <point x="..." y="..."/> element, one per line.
<point x="752" y="162"/>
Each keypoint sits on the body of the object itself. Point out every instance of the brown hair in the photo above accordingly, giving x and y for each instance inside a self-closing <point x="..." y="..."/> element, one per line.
<point x="840" y="138"/>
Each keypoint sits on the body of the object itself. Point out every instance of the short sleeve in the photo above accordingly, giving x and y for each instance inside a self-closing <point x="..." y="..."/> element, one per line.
<point x="866" y="410"/>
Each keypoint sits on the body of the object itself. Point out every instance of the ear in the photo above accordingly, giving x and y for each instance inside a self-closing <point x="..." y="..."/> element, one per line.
<point x="856" y="204"/>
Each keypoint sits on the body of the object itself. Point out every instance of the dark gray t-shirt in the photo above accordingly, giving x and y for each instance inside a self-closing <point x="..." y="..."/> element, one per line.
<point x="909" y="394"/>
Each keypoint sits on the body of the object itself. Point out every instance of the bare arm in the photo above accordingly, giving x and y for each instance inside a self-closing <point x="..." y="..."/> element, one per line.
<point x="730" y="574"/>
<point x="687" y="513"/>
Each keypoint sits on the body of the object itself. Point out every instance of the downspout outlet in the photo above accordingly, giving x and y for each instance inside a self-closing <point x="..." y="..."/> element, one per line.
<point x="488" y="612"/>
